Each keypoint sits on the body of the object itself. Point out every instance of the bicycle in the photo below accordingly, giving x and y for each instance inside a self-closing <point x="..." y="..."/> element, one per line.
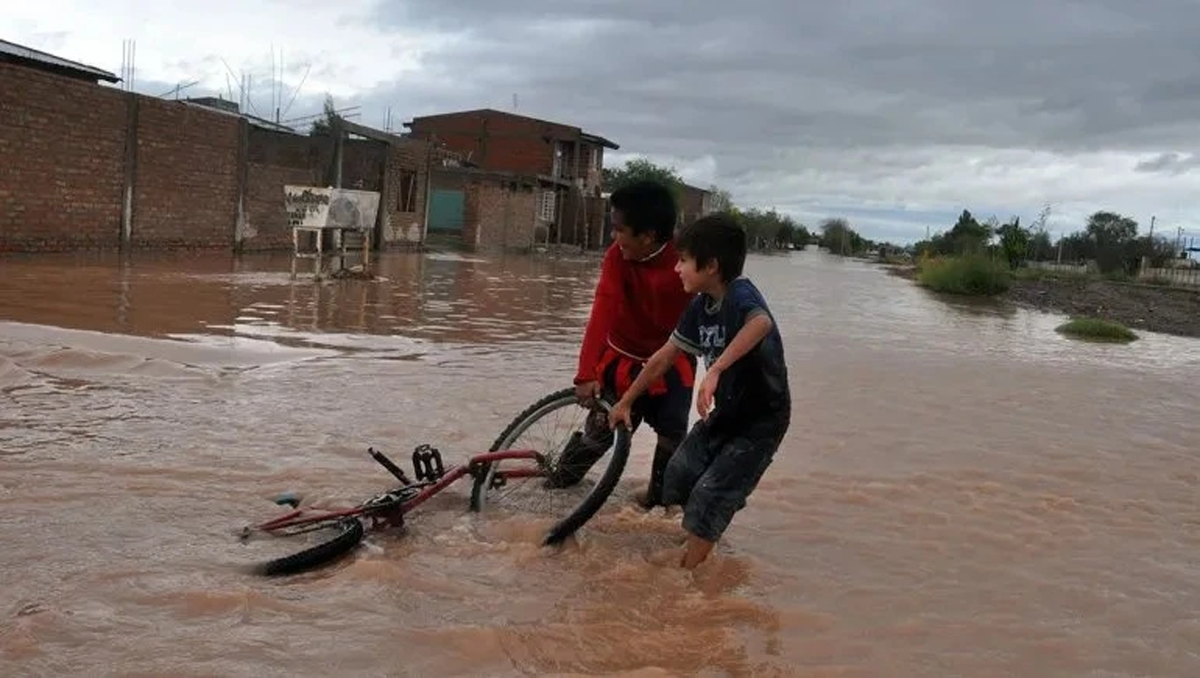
<point x="489" y="477"/>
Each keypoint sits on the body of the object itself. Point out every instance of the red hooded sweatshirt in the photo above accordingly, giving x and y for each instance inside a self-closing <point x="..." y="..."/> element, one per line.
<point x="637" y="305"/>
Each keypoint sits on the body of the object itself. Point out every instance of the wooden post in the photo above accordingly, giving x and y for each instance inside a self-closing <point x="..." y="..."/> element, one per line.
<point x="382" y="216"/>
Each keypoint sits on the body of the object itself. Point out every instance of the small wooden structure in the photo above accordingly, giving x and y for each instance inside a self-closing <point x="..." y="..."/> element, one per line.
<point x="347" y="216"/>
<point x="339" y="251"/>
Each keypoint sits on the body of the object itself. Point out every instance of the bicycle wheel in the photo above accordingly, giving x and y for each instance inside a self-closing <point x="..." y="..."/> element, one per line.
<point x="579" y="474"/>
<point x="341" y="536"/>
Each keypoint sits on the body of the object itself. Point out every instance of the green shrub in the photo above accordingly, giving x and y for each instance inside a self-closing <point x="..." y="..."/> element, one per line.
<point x="970" y="275"/>
<point x="1097" y="329"/>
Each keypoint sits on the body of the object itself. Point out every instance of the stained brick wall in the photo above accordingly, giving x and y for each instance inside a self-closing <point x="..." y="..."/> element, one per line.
<point x="70" y="150"/>
<point x="494" y="140"/>
<point x="186" y="176"/>
<point x="404" y="200"/>
<point x="64" y="167"/>
<point x="276" y="159"/>
<point x="265" y="223"/>
<point x="499" y="215"/>
<point x="62" y="159"/>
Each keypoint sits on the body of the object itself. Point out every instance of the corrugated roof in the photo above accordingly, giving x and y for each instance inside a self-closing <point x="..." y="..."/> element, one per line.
<point x="12" y="51"/>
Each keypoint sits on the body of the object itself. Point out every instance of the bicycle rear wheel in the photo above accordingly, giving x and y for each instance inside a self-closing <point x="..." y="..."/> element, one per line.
<point x="579" y="473"/>
<point x="339" y="537"/>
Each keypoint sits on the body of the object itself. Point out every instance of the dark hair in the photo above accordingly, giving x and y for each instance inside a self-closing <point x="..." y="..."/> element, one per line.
<point x="646" y="205"/>
<point x="716" y="236"/>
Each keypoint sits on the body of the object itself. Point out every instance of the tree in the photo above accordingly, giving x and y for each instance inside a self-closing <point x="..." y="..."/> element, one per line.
<point x="1039" y="247"/>
<point x="769" y="228"/>
<point x="640" y="169"/>
<point x="1014" y="242"/>
<point x="1112" y="235"/>
<point x="839" y="238"/>
<point x="720" y="200"/>
<point x="968" y="235"/>
<point x="323" y="125"/>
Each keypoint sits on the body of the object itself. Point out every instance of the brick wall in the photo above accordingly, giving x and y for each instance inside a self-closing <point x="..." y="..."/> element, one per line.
<point x="694" y="204"/>
<point x="62" y="160"/>
<point x="499" y="215"/>
<point x="403" y="203"/>
<point x="265" y="224"/>
<point x="70" y="151"/>
<point x="494" y="140"/>
<point x="276" y="159"/>
<point x="186" y="176"/>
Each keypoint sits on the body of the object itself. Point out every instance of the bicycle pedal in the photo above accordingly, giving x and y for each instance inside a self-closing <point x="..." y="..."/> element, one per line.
<point x="427" y="463"/>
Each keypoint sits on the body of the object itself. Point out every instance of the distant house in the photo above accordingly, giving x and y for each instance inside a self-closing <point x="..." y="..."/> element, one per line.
<point x="20" y="55"/>
<point x="562" y="160"/>
<point x="696" y="202"/>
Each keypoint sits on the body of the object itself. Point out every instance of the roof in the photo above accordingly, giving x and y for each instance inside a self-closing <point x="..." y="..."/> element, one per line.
<point x="600" y="141"/>
<point x="584" y="136"/>
<point x="207" y="103"/>
<point x="34" y="58"/>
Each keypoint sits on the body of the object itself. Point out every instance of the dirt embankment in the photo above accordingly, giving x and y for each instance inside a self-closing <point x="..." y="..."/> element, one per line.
<point x="1153" y="308"/>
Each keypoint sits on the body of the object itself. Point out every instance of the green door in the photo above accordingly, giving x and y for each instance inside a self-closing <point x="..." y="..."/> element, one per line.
<point x="446" y="211"/>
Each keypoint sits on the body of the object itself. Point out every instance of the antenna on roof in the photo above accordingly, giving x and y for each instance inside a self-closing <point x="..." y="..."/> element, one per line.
<point x="128" y="56"/>
<point x="514" y="101"/>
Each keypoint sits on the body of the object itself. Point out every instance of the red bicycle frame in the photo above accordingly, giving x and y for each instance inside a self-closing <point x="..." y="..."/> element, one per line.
<point x="300" y="517"/>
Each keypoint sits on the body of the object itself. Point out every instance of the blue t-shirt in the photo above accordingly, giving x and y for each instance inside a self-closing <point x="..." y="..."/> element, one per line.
<point x="752" y="396"/>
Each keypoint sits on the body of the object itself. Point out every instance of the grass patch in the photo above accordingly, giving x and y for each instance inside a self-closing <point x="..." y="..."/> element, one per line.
<point x="971" y="275"/>
<point x="1097" y="329"/>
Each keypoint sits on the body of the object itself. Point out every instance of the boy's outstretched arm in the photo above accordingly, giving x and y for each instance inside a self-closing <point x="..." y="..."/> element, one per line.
<point x="655" y="367"/>
<point x="757" y="327"/>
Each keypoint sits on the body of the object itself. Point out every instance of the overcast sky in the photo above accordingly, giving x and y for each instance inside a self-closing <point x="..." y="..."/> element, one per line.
<point x="896" y="114"/>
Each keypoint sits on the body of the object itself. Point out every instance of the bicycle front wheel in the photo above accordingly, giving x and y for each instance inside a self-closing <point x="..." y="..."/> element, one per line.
<point x="583" y="461"/>
<point x="329" y="540"/>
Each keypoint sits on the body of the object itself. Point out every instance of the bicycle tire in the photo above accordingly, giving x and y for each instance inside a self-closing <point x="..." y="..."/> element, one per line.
<point x="600" y="492"/>
<point x="348" y="537"/>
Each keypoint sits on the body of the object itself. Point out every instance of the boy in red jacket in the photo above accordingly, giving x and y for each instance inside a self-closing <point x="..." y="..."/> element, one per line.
<point x="639" y="300"/>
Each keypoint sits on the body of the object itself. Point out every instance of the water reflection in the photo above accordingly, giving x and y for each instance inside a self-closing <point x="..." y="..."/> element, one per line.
<point x="427" y="297"/>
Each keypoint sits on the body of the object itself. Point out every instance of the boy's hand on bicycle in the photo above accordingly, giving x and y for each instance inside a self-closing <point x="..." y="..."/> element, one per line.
<point x="621" y="413"/>
<point x="587" y="392"/>
<point x="708" y="389"/>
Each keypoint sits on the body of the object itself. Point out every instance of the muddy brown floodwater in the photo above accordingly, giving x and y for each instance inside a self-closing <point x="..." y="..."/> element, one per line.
<point x="963" y="492"/>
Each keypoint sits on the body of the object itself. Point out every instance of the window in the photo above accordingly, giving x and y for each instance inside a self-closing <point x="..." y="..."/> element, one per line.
<point x="406" y="197"/>
<point x="546" y="208"/>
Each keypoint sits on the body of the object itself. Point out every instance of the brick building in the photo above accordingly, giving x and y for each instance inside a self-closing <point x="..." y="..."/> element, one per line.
<point x="84" y="165"/>
<point x="695" y="203"/>
<point x="559" y="164"/>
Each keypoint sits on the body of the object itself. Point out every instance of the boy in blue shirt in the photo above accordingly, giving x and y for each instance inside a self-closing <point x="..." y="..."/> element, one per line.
<point x="744" y="402"/>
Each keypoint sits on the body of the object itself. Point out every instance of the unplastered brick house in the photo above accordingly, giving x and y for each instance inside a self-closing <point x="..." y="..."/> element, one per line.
<point x="560" y="164"/>
<point x="695" y="203"/>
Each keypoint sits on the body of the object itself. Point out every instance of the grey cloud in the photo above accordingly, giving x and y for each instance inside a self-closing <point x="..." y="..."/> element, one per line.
<point x="865" y="73"/>
<point x="1169" y="163"/>
<point x="764" y="85"/>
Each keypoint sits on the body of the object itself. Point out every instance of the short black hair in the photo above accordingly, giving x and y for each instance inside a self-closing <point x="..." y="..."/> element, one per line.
<point x="718" y="236"/>
<point x="647" y="205"/>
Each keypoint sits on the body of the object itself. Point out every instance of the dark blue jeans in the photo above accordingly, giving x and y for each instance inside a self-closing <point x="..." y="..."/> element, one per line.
<point x="711" y="476"/>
